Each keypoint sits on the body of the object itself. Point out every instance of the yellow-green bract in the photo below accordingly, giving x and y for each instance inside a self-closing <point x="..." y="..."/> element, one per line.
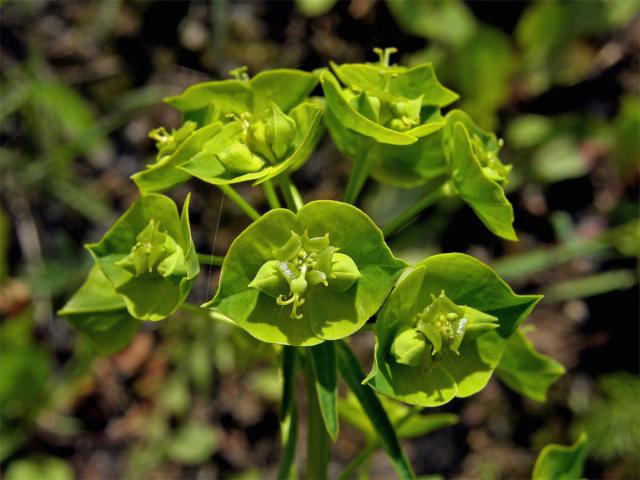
<point x="148" y="257"/>
<point x="259" y="147"/>
<point x="477" y="174"/>
<point x="442" y="331"/>
<point x="252" y="294"/>
<point x="236" y="130"/>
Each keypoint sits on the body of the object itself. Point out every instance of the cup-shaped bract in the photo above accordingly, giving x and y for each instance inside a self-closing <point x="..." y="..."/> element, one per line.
<point x="148" y="257"/>
<point x="259" y="147"/>
<point x="306" y="277"/>
<point x="210" y="106"/>
<point x="389" y="103"/>
<point x="477" y="174"/>
<point x="442" y="331"/>
<point x="99" y="312"/>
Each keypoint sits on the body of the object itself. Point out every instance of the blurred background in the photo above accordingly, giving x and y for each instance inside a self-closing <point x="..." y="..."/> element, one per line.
<point x="81" y="87"/>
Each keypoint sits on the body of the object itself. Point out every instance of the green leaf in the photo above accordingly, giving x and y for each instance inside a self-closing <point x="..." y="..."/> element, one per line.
<point x="323" y="360"/>
<point x="193" y="444"/>
<point x="485" y="90"/>
<point x="559" y="159"/>
<point x="560" y="462"/>
<point x="165" y="174"/>
<point x="409" y="166"/>
<point x="527" y="371"/>
<point x="349" y="118"/>
<point x="26" y="369"/>
<point x="611" y="418"/>
<point x="352" y="375"/>
<point x="448" y="21"/>
<point x="229" y="96"/>
<point x="315" y="8"/>
<point x="472" y="180"/>
<point x="31" y="468"/>
<point x="149" y="258"/>
<point x="415" y="82"/>
<point x="492" y="312"/>
<point x="326" y="314"/>
<point x="418" y="425"/>
<point x="99" y="312"/>
<point x="288" y="415"/>
<point x="286" y="87"/>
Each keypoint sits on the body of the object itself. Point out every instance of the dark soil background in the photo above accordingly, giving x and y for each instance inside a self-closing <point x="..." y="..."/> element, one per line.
<point x="82" y="84"/>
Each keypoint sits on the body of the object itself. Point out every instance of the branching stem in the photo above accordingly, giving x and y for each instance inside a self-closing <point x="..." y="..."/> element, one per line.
<point x="230" y="192"/>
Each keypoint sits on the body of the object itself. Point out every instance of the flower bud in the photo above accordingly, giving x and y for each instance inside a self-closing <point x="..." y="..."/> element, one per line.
<point x="239" y="159"/>
<point x="443" y="323"/>
<point x="410" y="348"/>
<point x="268" y="280"/>
<point x="367" y="105"/>
<point x="154" y="250"/>
<point x="344" y="273"/>
<point x="280" y="131"/>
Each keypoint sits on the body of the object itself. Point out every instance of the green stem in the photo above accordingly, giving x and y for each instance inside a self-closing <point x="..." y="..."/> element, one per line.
<point x="211" y="260"/>
<point x="229" y="191"/>
<point x="270" y="193"/>
<point x="291" y="195"/>
<point x="374" y="445"/>
<point x="317" y="438"/>
<point x="288" y="415"/>
<point x="410" y="213"/>
<point x="352" y="375"/>
<point x="358" y="176"/>
<point x="191" y="308"/>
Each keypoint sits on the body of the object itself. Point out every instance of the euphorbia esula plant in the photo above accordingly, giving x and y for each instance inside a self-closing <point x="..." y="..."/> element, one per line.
<point x="307" y="277"/>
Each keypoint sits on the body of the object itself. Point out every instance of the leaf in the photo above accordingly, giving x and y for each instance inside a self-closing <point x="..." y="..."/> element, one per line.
<point x="485" y="90"/>
<point x="165" y="174"/>
<point x="559" y="159"/>
<point x="467" y="282"/>
<point x="560" y="462"/>
<point x="611" y="418"/>
<point x="169" y="261"/>
<point x="229" y="96"/>
<point x="99" y="312"/>
<point x="353" y="120"/>
<point x="193" y="444"/>
<point x="26" y="369"/>
<point x="31" y="468"/>
<point x="527" y="371"/>
<point x="418" y="425"/>
<point x="415" y="82"/>
<point x="352" y="375"/>
<point x="323" y="360"/>
<point x="327" y="314"/>
<point x="286" y="87"/>
<point x="484" y="195"/>
<point x="315" y="8"/>
<point x="448" y="21"/>
<point x="409" y="166"/>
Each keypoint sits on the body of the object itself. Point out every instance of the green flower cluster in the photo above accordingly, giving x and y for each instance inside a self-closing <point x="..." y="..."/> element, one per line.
<point x="145" y="266"/>
<point x="238" y="130"/>
<point x="302" y="263"/>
